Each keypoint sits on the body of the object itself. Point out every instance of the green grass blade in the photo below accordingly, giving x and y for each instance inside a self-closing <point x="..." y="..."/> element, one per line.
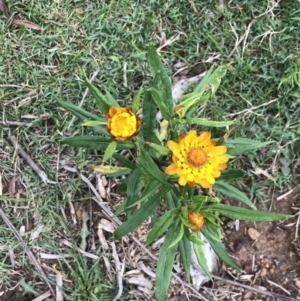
<point x="165" y="264"/>
<point x="233" y="192"/>
<point x="140" y="215"/>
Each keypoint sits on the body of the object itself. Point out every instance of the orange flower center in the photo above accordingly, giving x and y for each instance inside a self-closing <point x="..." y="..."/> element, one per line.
<point x="196" y="157"/>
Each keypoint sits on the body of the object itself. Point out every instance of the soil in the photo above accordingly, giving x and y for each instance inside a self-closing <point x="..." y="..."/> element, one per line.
<point x="271" y="261"/>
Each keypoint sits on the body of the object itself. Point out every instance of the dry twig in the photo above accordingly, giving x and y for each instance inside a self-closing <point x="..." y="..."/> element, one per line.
<point x="40" y="172"/>
<point x="28" y="252"/>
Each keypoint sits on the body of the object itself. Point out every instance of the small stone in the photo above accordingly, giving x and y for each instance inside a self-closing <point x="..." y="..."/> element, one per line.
<point x="263" y="272"/>
<point x="297" y="283"/>
<point x="254" y="234"/>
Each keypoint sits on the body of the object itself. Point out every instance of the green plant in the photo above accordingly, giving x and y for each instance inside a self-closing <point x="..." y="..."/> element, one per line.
<point x="196" y="162"/>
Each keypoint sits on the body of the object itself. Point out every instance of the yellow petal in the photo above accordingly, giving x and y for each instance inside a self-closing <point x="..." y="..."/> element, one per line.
<point x="216" y="173"/>
<point x="210" y="179"/>
<point x="171" y="169"/>
<point x="190" y="177"/>
<point x="172" y="145"/>
<point x="182" y="180"/>
<point x="222" y="166"/>
<point x="204" y="183"/>
<point x="219" y="150"/>
<point x="204" y="136"/>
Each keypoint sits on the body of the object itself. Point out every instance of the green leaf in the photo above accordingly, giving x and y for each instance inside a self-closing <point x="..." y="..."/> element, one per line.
<point x="232" y="192"/>
<point x="232" y="174"/>
<point x="93" y="123"/>
<point x="178" y="238"/>
<point x="249" y="215"/>
<point x="149" y="119"/>
<point x="95" y="142"/>
<point x="161" y="226"/>
<point x="158" y="98"/>
<point x="239" y="146"/>
<point x="134" y="187"/>
<point x="172" y="199"/>
<point x="204" y="80"/>
<point x="127" y="163"/>
<point x="157" y="70"/>
<point x="111" y="99"/>
<point x="101" y="100"/>
<point x="151" y="168"/>
<point x="140" y="215"/>
<point x="111" y="171"/>
<point x="218" y="246"/>
<point x="111" y="148"/>
<point x="185" y="256"/>
<point x="165" y="264"/>
<point x="163" y="151"/>
<point x="136" y="101"/>
<point x="149" y="190"/>
<point x="83" y="115"/>
<point x="207" y="122"/>
<point x="201" y="258"/>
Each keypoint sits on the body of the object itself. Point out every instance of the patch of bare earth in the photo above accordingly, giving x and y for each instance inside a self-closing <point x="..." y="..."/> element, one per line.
<point x="266" y="252"/>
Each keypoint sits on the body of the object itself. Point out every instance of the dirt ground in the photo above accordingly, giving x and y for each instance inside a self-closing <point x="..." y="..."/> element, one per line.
<point x="269" y="260"/>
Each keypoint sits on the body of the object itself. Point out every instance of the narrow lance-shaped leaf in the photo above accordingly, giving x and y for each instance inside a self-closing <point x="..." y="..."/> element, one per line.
<point x="126" y="162"/>
<point x="248" y="215"/>
<point x="149" y="190"/>
<point x="208" y="123"/>
<point x="165" y="264"/>
<point x="111" y="171"/>
<point x="185" y="256"/>
<point x="134" y="187"/>
<point x="93" y="123"/>
<point x="136" y="101"/>
<point x="150" y="167"/>
<point x="111" y="148"/>
<point x="157" y="69"/>
<point x="149" y="119"/>
<point x="140" y="215"/>
<point x="157" y="97"/>
<point x="160" y="226"/>
<point x="232" y="192"/>
<point x="218" y="247"/>
<point x="95" y="142"/>
<point x="232" y="174"/>
<point x="83" y="115"/>
<point x="201" y="258"/>
<point x="240" y="146"/>
<point x="178" y="238"/>
<point x="101" y="100"/>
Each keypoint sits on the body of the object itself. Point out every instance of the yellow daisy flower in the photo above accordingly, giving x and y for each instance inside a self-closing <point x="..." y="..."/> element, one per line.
<point x="197" y="220"/>
<point x="196" y="159"/>
<point x="122" y="123"/>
